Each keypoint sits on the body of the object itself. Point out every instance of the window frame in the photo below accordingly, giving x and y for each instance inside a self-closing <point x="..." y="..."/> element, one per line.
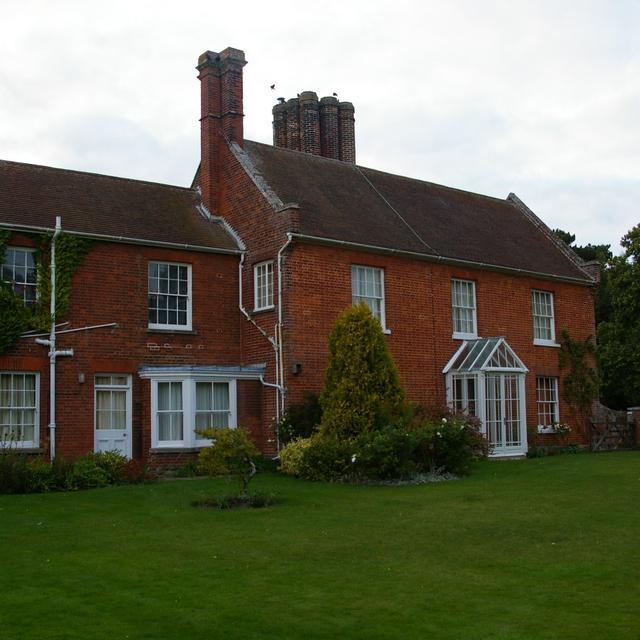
<point x="544" y="342"/>
<point x="189" y="297"/>
<point x="356" y="298"/>
<point x="555" y="404"/>
<point x="35" y="442"/>
<point x="462" y="335"/>
<point x="257" y="306"/>
<point x="189" y="440"/>
<point x="22" y="285"/>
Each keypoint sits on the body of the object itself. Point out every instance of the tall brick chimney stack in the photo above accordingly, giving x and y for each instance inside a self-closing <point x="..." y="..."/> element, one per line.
<point x="322" y="128"/>
<point x="220" y="76"/>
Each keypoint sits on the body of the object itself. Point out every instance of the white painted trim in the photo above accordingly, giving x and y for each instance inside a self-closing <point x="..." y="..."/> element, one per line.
<point x="383" y="314"/>
<point x="173" y="327"/>
<point x="128" y="402"/>
<point x="188" y="382"/>
<point x="35" y="443"/>
<point x="461" y="335"/>
<point x="270" y="292"/>
<point x="545" y="342"/>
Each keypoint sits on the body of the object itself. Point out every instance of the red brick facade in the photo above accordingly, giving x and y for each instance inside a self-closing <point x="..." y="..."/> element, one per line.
<point x="111" y="286"/>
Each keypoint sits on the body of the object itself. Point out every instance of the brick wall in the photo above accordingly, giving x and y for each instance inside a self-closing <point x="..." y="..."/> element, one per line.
<point x="418" y="313"/>
<point x="111" y="286"/>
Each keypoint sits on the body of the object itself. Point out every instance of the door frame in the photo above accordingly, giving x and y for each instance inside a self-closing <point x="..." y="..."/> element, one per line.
<point x="128" y="403"/>
<point x="481" y="406"/>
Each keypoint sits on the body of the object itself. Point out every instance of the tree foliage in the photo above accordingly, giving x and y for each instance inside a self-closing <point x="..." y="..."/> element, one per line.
<point x="619" y="335"/>
<point x="362" y="388"/>
<point x="601" y="253"/>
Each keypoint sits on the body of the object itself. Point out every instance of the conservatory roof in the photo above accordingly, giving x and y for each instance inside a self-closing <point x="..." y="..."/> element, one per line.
<point x="484" y="354"/>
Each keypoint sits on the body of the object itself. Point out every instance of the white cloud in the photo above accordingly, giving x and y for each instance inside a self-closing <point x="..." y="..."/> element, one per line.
<point x="536" y="97"/>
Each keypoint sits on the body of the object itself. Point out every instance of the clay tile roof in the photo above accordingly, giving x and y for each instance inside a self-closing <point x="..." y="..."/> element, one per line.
<point x="348" y="203"/>
<point x="31" y="196"/>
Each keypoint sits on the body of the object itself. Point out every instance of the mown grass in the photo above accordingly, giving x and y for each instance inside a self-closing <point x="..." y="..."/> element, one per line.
<point x="545" y="548"/>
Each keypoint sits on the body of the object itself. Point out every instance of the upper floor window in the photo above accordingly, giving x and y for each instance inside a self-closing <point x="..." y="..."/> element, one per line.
<point x="367" y="285"/>
<point x="19" y="270"/>
<point x="263" y="285"/>
<point x="463" y="308"/>
<point x="547" y="402"/>
<point x="169" y="295"/>
<point x="544" y="331"/>
<point x="19" y="395"/>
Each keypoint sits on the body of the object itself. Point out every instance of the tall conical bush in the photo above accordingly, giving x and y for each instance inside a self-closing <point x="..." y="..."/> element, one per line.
<point x="362" y="388"/>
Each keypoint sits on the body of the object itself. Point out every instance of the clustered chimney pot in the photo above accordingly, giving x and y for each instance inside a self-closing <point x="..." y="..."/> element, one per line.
<point x="321" y="127"/>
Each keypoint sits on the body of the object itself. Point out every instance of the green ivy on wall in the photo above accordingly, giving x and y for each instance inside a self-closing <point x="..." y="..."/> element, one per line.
<point x="15" y="316"/>
<point x="581" y="380"/>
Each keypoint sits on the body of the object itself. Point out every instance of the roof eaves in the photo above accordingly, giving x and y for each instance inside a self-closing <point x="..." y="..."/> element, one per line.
<point x="358" y="246"/>
<point x="124" y="239"/>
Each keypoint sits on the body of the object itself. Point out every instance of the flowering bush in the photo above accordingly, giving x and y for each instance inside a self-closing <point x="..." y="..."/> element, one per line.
<point x="412" y="445"/>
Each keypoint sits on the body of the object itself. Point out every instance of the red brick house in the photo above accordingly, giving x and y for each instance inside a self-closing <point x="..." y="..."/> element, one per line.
<point x="223" y="295"/>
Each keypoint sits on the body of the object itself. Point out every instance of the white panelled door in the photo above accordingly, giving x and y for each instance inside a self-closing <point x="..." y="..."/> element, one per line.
<point x="112" y="403"/>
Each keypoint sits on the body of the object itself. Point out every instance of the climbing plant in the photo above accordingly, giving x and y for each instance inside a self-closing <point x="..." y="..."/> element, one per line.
<point x="15" y="316"/>
<point x="581" y="381"/>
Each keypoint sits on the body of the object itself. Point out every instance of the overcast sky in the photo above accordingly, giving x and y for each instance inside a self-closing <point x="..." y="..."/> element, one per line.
<point x="540" y="98"/>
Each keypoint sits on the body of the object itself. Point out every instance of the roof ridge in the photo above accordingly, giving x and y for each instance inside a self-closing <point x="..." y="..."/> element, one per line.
<point x="99" y="175"/>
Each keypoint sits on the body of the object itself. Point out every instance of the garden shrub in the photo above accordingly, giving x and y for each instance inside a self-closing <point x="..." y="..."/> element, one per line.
<point x="292" y="455"/>
<point x="88" y="474"/>
<point x="111" y="462"/>
<point x="231" y="453"/>
<point x="327" y="458"/>
<point x="362" y="389"/>
<point x="21" y="473"/>
<point x="300" y="420"/>
<point x="387" y="453"/>
<point x="15" y="473"/>
<point x="410" y="446"/>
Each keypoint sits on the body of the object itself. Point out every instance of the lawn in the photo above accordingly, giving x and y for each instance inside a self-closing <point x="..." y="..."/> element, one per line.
<point x="545" y="548"/>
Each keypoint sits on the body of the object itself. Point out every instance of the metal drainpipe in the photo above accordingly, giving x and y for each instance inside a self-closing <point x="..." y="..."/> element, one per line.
<point x="271" y="340"/>
<point x="51" y="343"/>
<point x="280" y="314"/>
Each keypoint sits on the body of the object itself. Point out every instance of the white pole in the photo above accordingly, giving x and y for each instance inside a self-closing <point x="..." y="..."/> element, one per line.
<point x="52" y="345"/>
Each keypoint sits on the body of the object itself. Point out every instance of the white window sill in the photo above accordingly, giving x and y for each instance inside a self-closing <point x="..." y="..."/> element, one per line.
<point x="261" y="309"/>
<point x="545" y="343"/>
<point x="464" y="336"/>
<point x="387" y="332"/>
<point x="170" y="328"/>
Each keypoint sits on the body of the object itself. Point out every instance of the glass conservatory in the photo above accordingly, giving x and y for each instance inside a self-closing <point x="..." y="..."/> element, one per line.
<point x="485" y="378"/>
